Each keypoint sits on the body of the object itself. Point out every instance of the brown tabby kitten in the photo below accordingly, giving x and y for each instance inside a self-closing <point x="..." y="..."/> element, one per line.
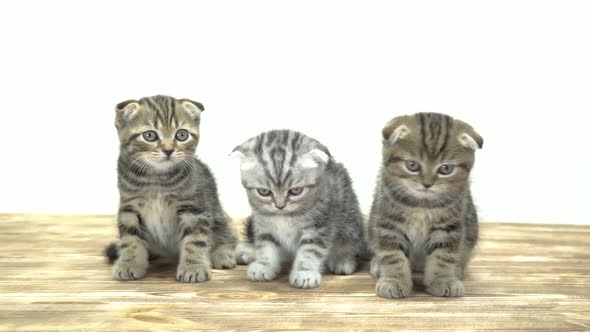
<point x="169" y="205"/>
<point x="423" y="217"/>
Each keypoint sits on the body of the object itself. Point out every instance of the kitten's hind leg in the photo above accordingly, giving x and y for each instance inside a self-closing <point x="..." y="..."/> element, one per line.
<point x="343" y="265"/>
<point x="223" y="257"/>
<point x="375" y="269"/>
<point x="342" y="260"/>
<point x="245" y="253"/>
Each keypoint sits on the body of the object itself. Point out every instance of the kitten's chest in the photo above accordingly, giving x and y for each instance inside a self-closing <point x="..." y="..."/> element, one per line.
<point x="159" y="217"/>
<point x="287" y="231"/>
<point x="418" y="225"/>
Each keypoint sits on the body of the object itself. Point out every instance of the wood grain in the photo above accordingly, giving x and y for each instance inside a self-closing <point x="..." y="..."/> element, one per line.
<point x="53" y="277"/>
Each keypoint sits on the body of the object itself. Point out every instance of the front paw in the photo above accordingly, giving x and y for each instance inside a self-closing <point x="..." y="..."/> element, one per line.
<point x="223" y="259"/>
<point x="305" y="279"/>
<point x="193" y="273"/>
<point x="262" y="272"/>
<point x="393" y="288"/>
<point x="128" y="270"/>
<point x="452" y="287"/>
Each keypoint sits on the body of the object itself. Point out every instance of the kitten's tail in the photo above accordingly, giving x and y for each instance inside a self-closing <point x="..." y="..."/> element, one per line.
<point x="111" y="252"/>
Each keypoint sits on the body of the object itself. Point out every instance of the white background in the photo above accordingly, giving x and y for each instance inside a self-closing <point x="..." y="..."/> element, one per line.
<point x="518" y="71"/>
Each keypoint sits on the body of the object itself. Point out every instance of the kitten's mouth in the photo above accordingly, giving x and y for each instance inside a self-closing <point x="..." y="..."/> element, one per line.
<point x="166" y="162"/>
<point x="425" y="192"/>
<point x="276" y="210"/>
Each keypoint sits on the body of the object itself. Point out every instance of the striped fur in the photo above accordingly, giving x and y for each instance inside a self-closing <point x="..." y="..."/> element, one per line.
<point x="424" y="220"/>
<point x="320" y="226"/>
<point x="169" y="205"/>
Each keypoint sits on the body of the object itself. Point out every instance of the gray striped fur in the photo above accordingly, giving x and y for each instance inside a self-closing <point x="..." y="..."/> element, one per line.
<point x="320" y="227"/>
<point x="169" y="205"/>
<point x="424" y="221"/>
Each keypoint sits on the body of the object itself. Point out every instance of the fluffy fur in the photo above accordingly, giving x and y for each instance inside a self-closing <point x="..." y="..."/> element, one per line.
<point x="168" y="198"/>
<point x="423" y="217"/>
<point x="304" y="210"/>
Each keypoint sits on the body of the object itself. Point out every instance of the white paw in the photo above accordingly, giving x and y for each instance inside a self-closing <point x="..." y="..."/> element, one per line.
<point x="245" y="253"/>
<point x="262" y="272"/>
<point x="193" y="273"/>
<point x="451" y="287"/>
<point x="375" y="270"/>
<point x="305" y="279"/>
<point x="343" y="266"/>
<point x="128" y="270"/>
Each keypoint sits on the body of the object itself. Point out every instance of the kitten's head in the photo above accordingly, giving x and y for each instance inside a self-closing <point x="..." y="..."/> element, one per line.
<point x="158" y="133"/>
<point x="427" y="157"/>
<point x="282" y="171"/>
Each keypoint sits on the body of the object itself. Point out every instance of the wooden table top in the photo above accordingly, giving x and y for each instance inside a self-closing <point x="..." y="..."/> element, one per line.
<point x="53" y="277"/>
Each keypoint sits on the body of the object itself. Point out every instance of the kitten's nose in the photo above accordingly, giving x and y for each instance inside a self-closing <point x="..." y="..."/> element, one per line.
<point x="168" y="152"/>
<point x="427" y="185"/>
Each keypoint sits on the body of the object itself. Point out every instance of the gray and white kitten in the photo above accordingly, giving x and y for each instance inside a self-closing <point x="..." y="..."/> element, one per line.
<point x="168" y="198"/>
<point x="304" y="209"/>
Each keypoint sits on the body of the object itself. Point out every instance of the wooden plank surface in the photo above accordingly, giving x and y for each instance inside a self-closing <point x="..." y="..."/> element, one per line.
<point x="53" y="277"/>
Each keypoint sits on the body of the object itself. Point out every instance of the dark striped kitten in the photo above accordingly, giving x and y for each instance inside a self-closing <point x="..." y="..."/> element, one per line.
<point x="168" y="198"/>
<point x="423" y="217"/>
<point x="304" y="209"/>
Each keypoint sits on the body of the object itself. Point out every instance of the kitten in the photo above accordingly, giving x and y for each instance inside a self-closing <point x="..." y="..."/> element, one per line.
<point x="304" y="209"/>
<point x="423" y="217"/>
<point x="168" y="198"/>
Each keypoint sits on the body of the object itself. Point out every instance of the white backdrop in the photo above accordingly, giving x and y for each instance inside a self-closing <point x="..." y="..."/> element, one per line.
<point x="518" y="71"/>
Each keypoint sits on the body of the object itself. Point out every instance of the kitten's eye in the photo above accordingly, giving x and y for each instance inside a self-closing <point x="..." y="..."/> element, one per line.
<point x="446" y="169"/>
<point x="295" y="191"/>
<point x="263" y="192"/>
<point x="150" y="135"/>
<point x="182" y="135"/>
<point x="412" y="166"/>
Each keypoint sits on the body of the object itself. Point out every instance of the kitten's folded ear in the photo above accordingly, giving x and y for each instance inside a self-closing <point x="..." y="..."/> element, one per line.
<point x="469" y="138"/>
<point x="241" y="152"/>
<point x="395" y="130"/>
<point x="195" y="108"/>
<point x="237" y="153"/>
<point x="126" y="111"/>
<point x="315" y="158"/>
